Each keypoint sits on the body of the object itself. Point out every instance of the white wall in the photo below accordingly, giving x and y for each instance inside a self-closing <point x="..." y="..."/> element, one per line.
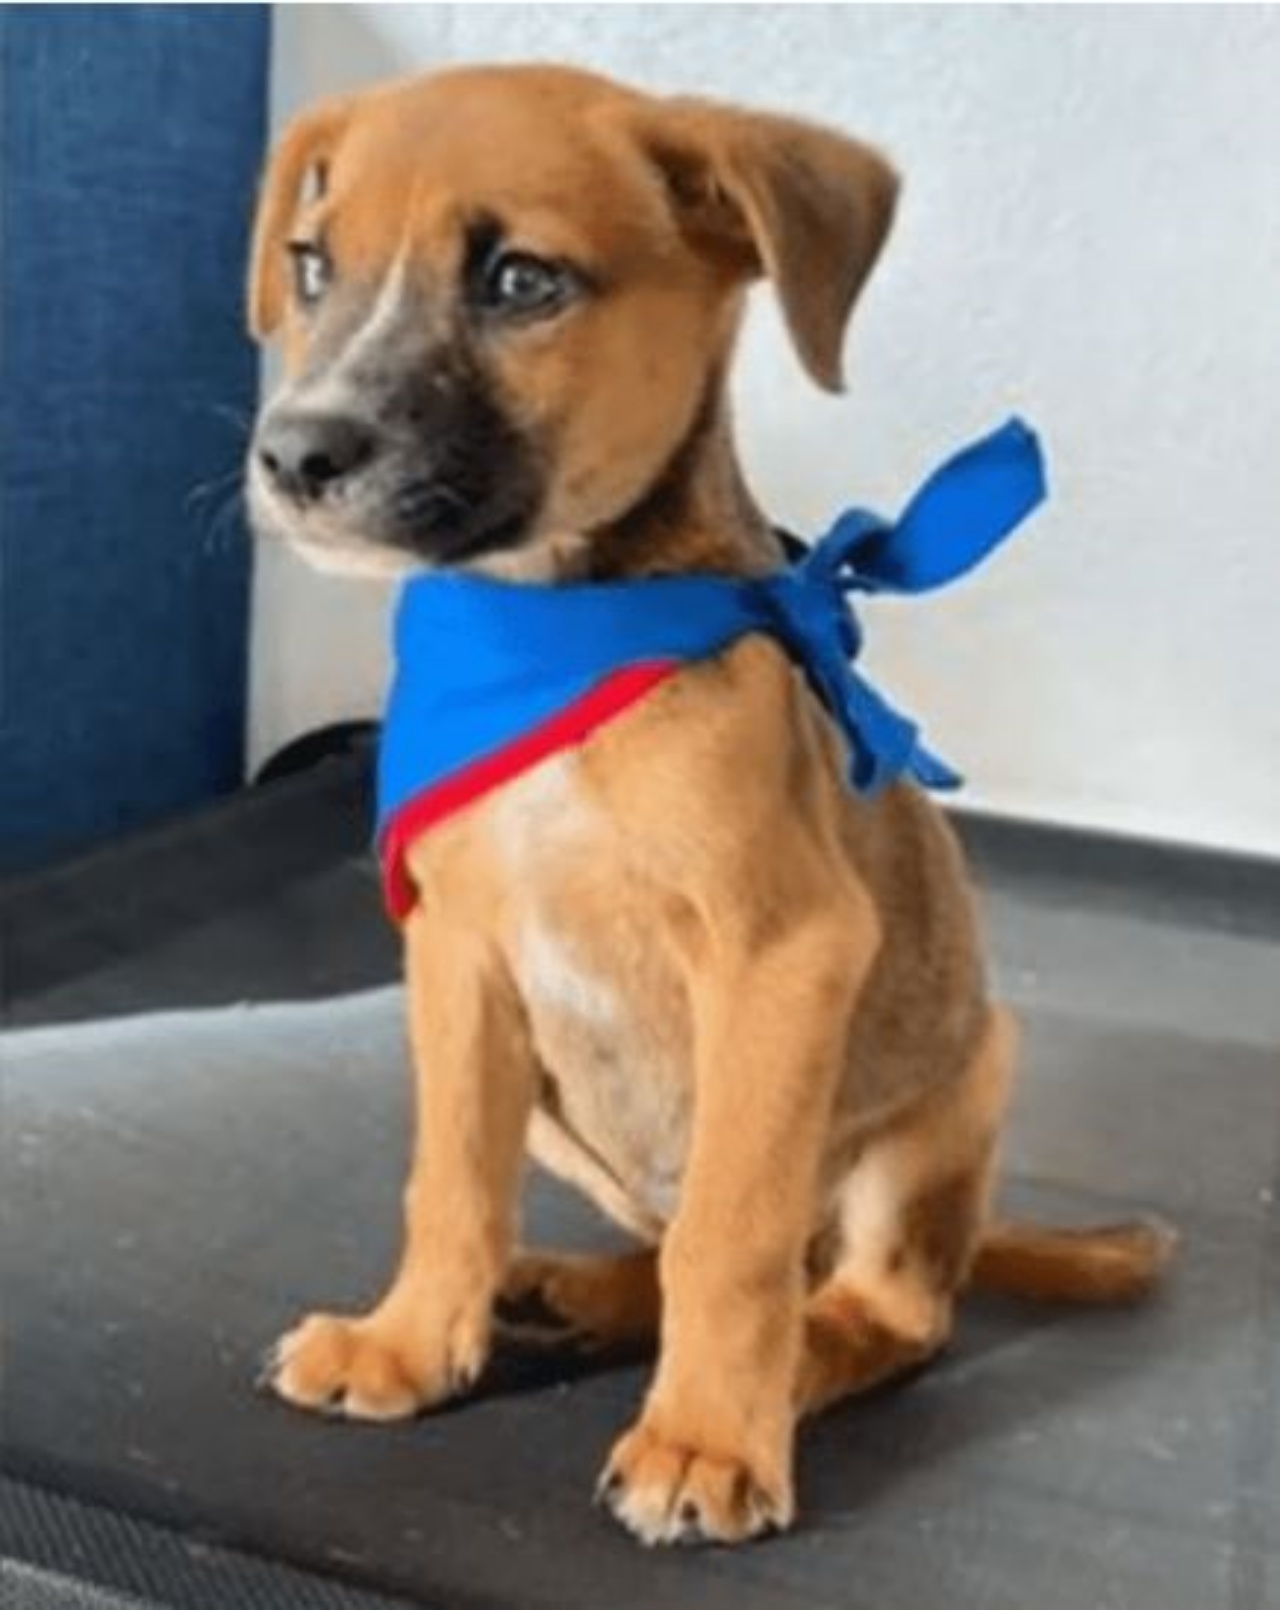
<point x="1090" y="235"/>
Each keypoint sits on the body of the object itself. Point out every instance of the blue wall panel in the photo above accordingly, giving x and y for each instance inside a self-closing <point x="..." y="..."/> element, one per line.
<point x="130" y="140"/>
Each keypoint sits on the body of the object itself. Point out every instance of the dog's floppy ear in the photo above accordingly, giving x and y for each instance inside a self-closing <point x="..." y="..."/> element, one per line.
<point x="805" y="206"/>
<point x="302" y="151"/>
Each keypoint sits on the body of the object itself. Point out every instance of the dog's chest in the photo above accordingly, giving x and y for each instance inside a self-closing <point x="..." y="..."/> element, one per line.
<point x="604" y="997"/>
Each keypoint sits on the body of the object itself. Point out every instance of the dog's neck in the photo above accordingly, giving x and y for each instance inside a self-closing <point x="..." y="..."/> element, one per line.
<point x="698" y="515"/>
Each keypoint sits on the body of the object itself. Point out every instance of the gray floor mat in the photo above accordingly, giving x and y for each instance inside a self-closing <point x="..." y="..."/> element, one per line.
<point x="178" y="1187"/>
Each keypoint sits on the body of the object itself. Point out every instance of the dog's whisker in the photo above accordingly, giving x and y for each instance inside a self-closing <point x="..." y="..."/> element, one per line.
<point x="202" y="491"/>
<point x="224" y="524"/>
<point x="239" y="419"/>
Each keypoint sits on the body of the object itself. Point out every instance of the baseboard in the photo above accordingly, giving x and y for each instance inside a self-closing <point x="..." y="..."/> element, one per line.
<point x="286" y="829"/>
<point x="1236" y="892"/>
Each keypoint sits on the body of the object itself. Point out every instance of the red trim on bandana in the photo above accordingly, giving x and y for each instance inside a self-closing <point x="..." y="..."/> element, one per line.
<point x="572" y="725"/>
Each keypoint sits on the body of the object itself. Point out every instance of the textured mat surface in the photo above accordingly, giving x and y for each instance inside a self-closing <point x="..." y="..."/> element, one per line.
<point x="178" y="1187"/>
<point x="59" y="1551"/>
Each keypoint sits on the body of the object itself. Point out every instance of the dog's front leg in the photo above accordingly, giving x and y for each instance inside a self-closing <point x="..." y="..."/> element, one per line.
<point x="710" y="1456"/>
<point x="429" y="1336"/>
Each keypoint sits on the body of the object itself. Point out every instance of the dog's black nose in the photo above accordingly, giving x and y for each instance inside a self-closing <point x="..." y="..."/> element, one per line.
<point x="307" y="455"/>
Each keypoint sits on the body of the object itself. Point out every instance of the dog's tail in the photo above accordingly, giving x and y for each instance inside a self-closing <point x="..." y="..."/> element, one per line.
<point x="1115" y="1263"/>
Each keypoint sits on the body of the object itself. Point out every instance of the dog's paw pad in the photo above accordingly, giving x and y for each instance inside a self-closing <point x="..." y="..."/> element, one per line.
<point x="528" y="1316"/>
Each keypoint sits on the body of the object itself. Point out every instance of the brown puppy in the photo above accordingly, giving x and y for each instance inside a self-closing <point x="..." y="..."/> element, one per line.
<point x="742" y="1009"/>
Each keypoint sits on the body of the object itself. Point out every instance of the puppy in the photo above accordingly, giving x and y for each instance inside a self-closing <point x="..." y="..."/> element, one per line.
<point x="682" y="964"/>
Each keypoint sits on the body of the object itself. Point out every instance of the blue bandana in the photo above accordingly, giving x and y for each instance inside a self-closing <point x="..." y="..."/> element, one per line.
<point x="493" y="677"/>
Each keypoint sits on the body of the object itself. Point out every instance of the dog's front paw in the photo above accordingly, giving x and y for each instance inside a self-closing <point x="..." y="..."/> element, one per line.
<point x="375" y="1366"/>
<point x="667" y="1492"/>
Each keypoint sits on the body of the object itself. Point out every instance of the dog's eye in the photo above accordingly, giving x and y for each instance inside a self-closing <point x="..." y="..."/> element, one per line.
<point x="518" y="282"/>
<point x="312" y="271"/>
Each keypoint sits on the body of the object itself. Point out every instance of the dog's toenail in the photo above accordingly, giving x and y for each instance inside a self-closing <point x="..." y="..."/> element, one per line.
<point x="462" y="1378"/>
<point x="689" y="1527"/>
<point x="268" y="1368"/>
<point x="608" y="1487"/>
<point x="764" y="1518"/>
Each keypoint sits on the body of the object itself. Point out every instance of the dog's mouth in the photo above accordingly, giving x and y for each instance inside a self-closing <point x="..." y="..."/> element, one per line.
<point x="393" y="522"/>
<point x="444" y="525"/>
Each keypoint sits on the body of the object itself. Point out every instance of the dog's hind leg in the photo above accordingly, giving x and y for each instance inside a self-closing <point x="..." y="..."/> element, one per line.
<point x="592" y="1301"/>
<point x="910" y="1220"/>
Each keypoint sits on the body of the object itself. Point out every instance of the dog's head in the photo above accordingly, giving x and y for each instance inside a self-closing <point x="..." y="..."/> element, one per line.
<point x="507" y="298"/>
